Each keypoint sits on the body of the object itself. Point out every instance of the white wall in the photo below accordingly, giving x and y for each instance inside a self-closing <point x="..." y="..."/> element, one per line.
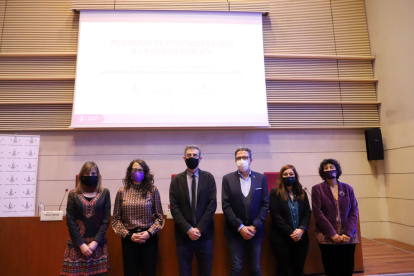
<point x="63" y="153"/>
<point x="390" y="25"/>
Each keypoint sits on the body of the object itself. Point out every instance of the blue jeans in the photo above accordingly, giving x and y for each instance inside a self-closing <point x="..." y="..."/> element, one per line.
<point x="237" y="247"/>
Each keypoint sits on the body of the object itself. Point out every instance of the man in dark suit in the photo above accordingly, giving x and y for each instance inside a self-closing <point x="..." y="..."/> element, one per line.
<point x="245" y="201"/>
<point x="193" y="204"/>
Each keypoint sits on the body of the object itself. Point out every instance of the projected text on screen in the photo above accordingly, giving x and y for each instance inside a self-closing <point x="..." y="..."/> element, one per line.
<point x="170" y="69"/>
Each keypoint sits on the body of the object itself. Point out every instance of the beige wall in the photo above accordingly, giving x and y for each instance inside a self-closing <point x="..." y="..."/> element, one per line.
<point x="390" y="26"/>
<point x="63" y="153"/>
<point x="313" y="27"/>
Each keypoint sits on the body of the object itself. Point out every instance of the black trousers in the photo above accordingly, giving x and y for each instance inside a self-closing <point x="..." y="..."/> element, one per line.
<point x="203" y="250"/>
<point x="290" y="257"/>
<point x="338" y="259"/>
<point x="140" y="259"/>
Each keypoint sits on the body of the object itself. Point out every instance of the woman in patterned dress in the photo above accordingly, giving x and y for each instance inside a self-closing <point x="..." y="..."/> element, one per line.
<point x="290" y="211"/>
<point x="336" y="214"/>
<point x="88" y="213"/>
<point x="138" y="216"/>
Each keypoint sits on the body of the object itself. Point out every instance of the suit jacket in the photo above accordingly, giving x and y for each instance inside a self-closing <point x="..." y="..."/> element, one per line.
<point x="282" y="225"/>
<point x="234" y="206"/>
<point x="324" y="209"/>
<point x="181" y="207"/>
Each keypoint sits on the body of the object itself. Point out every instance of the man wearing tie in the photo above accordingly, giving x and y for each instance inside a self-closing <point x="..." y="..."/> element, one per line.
<point x="193" y="204"/>
<point x="245" y="203"/>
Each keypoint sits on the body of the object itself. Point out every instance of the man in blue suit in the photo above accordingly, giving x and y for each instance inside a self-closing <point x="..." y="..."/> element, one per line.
<point x="193" y="204"/>
<point x="245" y="202"/>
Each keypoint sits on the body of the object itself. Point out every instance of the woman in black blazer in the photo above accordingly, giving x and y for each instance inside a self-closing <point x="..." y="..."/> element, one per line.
<point x="290" y="211"/>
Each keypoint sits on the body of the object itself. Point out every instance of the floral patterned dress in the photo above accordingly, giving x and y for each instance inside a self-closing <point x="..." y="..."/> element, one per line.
<point x="87" y="220"/>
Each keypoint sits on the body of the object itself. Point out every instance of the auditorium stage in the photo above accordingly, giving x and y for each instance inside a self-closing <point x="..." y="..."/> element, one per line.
<point x="382" y="257"/>
<point x="30" y="248"/>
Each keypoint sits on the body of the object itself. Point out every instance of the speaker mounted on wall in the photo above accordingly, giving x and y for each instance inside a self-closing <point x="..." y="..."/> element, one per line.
<point x="375" y="148"/>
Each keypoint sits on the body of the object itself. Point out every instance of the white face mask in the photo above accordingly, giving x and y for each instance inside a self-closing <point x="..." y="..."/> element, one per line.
<point x="243" y="165"/>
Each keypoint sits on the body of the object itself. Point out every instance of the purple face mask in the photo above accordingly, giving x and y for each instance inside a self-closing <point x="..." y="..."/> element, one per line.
<point x="330" y="174"/>
<point x="137" y="176"/>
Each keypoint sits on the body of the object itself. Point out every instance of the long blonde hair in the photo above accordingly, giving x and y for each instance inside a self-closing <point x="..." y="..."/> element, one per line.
<point x="86" y="168"/>
<point x="296" y="187"/>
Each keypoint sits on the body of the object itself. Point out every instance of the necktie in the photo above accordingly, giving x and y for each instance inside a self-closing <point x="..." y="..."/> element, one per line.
<point x="193" y="198"/>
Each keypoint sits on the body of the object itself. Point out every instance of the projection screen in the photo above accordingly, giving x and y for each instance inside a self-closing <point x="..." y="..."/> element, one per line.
<point x="170" y="69"/>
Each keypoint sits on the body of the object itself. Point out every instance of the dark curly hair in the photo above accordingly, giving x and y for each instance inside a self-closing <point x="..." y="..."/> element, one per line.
<point x="147" y="184"/>
<point x="333" y="162"/>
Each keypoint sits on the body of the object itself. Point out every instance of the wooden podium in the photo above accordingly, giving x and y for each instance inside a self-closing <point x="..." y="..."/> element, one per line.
<point x="33" y="247"/>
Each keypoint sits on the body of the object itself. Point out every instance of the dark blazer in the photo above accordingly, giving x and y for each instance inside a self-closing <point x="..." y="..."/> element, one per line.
<point x="324" y="209"/>
<point x="181" y="208"/>
<point x="282" y="226"/>
<point x="234" y="207"/>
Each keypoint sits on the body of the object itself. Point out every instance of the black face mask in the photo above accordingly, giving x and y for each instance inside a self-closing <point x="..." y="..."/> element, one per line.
<point x="191" y="163"/>
<point x="330" y="174"/>
<point x="89" y="181"/>
<point x="288" y="181"/>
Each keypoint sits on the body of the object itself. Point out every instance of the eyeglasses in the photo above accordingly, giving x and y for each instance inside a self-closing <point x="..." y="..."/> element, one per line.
<point x="242" y="158"/>
<point x="138" y="170"/>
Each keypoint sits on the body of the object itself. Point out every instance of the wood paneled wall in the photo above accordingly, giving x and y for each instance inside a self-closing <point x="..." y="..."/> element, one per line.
<point x="32" y="247"/>
<point x="317" y="60"/>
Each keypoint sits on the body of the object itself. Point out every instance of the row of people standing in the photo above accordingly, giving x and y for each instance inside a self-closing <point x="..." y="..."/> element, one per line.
<point x="335" y="209"/>
<point x="138" y="217"/>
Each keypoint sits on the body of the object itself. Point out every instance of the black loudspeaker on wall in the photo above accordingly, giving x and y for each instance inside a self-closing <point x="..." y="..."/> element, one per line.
<point x="375" y="149"/>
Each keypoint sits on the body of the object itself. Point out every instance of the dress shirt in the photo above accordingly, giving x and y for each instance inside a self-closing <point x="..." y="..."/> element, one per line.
<point x="189" y="181"/>
<point x="294" y="210"/>
<point x="245" y="184"/>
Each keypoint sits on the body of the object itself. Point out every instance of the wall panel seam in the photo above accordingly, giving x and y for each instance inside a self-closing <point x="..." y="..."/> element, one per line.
<point x="2" y="26"/>
<point x="208" y="154"/>
<point x="365" y="221"/>
<point x="412" y="226"/>
<point x="404" y="147"/>
<point x="388" y="173"/>
<point x="400" y="198"/>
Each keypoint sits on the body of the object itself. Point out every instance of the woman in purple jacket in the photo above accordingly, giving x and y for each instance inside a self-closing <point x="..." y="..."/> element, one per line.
<point x="336" y="214"/>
